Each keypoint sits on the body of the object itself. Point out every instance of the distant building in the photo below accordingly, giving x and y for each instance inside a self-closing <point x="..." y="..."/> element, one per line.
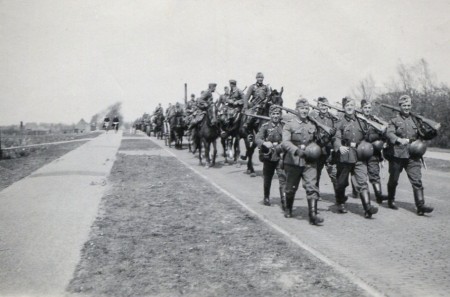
<point x="35" y="129"/>
<point x="82" y="127"/>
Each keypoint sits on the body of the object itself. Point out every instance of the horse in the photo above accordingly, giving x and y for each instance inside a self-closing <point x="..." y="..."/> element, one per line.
<point x="158" y="121"/>
<point x="206" y="133"/>
<point x="250" y="126"/>
<point x="230" y="135"/>
<point x="177" y="128"/>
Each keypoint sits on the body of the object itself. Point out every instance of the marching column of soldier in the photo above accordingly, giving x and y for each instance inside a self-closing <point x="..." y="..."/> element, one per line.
<point x="300" y="145"/>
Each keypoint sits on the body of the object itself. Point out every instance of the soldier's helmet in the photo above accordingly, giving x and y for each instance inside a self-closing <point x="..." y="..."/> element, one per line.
<point x="312" y="152"/>
<point x="364" y="150"/>
<point x="417" y="148"/>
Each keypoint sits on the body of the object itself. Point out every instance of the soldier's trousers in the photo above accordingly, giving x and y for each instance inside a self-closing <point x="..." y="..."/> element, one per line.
<point x="269" y="168"/>
<point x="309" y="175"/>
<point x="331" y="170"/>
<point x="412" y="168"/>
<point x="373" y="169"/>
<point x="358" y="170"/>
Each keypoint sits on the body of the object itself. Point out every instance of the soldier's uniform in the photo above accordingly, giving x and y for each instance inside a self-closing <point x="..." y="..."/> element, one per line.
<point x="297" y="135"/>
<point x="106" y="123"/>
<point x="404" y="127"/>
<point x="203" y="102"/>
<point x="271" y="157"/>
<point x="350" y="133"/>
<point x="256" y="94"/>
<point x="326" y="159"/>
<point x="116" y="123"/>
<point x="373" y="164"/>
<point x="236" y="97"/>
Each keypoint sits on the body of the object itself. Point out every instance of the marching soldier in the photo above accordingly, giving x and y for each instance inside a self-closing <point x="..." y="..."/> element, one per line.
<point x="377" y="140"/>
<point x="206" y="98"/>
<point x="349" y="135"/>
<point x="301" y="151"/>
<point x="402" y="131"/>
<point x="268" y="141"/>
<point x="257" y="92"/>
<point x="326" y="159"/>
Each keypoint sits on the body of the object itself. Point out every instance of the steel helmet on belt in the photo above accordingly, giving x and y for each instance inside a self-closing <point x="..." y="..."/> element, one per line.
<point x="378" y="145"/>
<point x="312" y="152"/>
<point x="417" y="148"/>
<point x="364" y="150"/>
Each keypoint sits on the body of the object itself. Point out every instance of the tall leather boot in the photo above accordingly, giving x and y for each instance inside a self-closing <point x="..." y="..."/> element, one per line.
<point x="289" y="205"/>
<point x="283" y="199"/>
<point x="378" y="193"/>
<point x="340" y="200"/>
<point x="391" y="197"/>
<point x="267" y="185"/>
<point x="369" y="210"/>
<point x="420" y="203"/>
<point x="314" y="219"/>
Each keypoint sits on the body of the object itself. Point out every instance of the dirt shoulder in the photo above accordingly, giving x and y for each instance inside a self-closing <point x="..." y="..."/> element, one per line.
<point x="12" y="170"/>
<point x="164" y="231"/>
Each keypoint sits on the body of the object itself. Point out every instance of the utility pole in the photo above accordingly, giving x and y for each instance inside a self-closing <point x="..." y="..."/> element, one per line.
<point x="185" y="94"/>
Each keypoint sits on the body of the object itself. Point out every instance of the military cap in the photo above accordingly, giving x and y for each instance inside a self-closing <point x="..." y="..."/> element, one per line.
<point x="404" y="99"/>
<point x="302" y="102"/>
<point x="212" y="85"/>
<point x="274" y="108"/>
<point x="193" y="95"/>
<point x="346" y="100"/>
<point x="322" y="99"/>
<point x="364" y="102"/>
<point x="232" y="82"/>
<point x="259" y="74"/>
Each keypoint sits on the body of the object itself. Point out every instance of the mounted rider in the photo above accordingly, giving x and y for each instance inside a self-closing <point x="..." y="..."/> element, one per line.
<point x="158" y="110"/>
<point x="257" y="94"/>
<point x="205" y="100"/>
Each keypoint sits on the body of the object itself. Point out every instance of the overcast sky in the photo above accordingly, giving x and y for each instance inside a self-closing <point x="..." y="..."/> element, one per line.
<point x="65" y="60"/>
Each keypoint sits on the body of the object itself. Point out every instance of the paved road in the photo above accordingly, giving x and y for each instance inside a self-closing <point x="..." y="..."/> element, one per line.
<point x="45" y="219"/>
<point x="397" y="252"/>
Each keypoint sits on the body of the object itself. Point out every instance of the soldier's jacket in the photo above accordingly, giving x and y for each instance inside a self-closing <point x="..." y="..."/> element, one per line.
<point x="328" y="120"/>
<point x="190" y="106"/>
<point x="256" y="92"/>
<point x="401" y="127"/>
<point x="205" y="99"/>
<point x="372" y="133"/>
<point x="297" y="134"/>
<point x="236" y="97"/>
<point x="349" y="132"/>
<point x="223" y="100"/>
<point x="272" y="133"/>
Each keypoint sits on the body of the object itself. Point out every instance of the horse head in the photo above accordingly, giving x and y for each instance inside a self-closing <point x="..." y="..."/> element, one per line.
<point x="276" y="97"/>
<point x="212" y="114"/>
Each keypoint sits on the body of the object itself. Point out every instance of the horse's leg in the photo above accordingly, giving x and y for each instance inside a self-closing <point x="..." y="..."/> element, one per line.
<point x="214" y="152"/>
<point x="207" y="147"/>
<point x="237" y="149"/>
<point x="223" y="142"/>
<point x="250" y="168"/>
<point x="199" y="147"/>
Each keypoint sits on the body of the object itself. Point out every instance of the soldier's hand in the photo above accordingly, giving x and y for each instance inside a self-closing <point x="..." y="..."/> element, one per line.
<point x="344" y="149"/>
<point x="267" y="144"/>
<point x="403" y="141"/>
<point x="299" y="152"/>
